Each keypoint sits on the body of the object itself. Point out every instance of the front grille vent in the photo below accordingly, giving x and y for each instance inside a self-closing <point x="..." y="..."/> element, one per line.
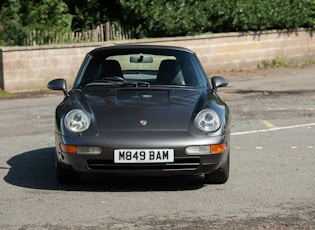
<point x="188" y="164"/>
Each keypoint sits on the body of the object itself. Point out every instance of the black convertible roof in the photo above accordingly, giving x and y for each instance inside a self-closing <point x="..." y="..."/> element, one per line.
<point x="121" y="49"/>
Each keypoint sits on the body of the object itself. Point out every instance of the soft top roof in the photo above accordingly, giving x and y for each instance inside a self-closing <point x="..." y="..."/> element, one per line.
<point x="125" y="49"/>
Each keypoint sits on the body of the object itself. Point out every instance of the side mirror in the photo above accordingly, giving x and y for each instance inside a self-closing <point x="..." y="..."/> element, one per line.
<point x="58" y="84"/>
<point x="218" y="81"/>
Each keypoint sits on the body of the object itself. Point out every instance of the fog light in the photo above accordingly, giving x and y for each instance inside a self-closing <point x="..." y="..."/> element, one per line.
<point x="205" y="149"/>
<point x="73" y="149"/>
<point x="198" y="150"/>
<point x="89" y="150"/>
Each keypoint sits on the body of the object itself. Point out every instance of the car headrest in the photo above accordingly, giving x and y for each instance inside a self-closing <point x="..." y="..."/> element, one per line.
<point x="111" y="68"/>
<point x="170" y="73"/>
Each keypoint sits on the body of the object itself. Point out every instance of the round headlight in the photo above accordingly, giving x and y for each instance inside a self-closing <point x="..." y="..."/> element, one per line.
<point x="77" y="121"/>
<point x="207" y="120"/>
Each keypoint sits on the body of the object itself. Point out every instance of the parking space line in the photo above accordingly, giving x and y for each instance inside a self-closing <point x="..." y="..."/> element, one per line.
<point x="277" y="109"/>
<point x="272" y="129"/>
<point x="267" y="123"/>
<point x="261" y="147"/>
<point x="284" y="109"/>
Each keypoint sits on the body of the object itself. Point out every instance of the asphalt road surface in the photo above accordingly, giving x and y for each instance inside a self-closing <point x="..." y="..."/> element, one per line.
<point x="271" y="184"/>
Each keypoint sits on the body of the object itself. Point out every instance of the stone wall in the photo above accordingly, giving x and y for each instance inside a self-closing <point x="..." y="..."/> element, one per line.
<point x="29" y="68"/>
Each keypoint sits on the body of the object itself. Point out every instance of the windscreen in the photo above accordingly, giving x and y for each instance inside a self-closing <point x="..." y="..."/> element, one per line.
<point x="150" y="68"/>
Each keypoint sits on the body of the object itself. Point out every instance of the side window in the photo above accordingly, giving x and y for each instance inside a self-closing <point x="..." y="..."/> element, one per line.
<point x="193" y="73"/>
<point x="89" y="71"/>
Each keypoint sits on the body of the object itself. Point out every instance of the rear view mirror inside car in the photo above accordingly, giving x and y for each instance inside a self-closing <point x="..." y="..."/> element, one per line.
<point x="141" y="59"/>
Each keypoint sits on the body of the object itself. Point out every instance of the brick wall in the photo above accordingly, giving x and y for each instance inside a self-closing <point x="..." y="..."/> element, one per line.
<point x="28" y="68"/>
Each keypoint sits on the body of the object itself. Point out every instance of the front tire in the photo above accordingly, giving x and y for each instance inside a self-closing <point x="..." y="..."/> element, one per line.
<point x="65" y="176"/>
<point x="220" y="175"/>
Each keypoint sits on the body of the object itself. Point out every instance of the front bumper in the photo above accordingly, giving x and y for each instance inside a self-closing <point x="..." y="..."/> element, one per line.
<point x="183" y="164"/>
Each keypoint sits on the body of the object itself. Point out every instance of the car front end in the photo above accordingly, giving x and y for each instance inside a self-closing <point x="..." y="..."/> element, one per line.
<point x="138" y="123"/>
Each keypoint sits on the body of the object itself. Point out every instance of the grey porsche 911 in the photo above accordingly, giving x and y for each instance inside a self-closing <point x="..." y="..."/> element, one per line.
<point x="142" y="110"/>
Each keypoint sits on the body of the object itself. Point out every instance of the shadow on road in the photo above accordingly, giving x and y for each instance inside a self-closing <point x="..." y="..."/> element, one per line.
<point x="35" y="169"/>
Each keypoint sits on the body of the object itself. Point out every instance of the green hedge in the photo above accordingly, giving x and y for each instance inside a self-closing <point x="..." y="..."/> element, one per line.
<point x="187" y="17"/>
<point x="149" y="18"/>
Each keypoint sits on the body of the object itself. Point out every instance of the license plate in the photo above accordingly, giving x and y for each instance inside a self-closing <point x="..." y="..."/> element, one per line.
<point x="143" y="155"/>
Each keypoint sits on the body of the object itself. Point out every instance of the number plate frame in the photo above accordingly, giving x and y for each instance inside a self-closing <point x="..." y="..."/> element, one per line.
<point x="143" y="155"/>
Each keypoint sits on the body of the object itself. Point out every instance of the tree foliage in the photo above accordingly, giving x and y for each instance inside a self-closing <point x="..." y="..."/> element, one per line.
<point x="159" y="18"/>
<point x="185" y="17"/>
<point x="44" y="14"/>
<point x="17" y="18"/>
<point x="89" y="14"/>
<point x="11" y="29"/>
<point x="151" y="18"/>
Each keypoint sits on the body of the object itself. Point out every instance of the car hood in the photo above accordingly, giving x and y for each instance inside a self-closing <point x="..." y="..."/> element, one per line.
<point x="143" y="109"/>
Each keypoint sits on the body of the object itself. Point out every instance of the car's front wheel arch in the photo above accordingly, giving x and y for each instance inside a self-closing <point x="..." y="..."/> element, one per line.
<point x="220" y="175"/>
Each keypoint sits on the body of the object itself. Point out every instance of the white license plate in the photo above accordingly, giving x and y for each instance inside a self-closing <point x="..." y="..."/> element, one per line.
<point x="143" y="155"/>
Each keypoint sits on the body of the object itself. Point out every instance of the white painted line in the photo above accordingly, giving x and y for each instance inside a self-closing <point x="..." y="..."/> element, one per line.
<point x="272" y="129"/>
<point x="299" y="109"/>
<point x="267" y="124"/>
<point x="277" y="109"/>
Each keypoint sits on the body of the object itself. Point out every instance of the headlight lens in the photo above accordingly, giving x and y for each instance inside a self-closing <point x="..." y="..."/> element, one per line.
<point x="207" y="120"/>
<point x="77" y="121"/>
